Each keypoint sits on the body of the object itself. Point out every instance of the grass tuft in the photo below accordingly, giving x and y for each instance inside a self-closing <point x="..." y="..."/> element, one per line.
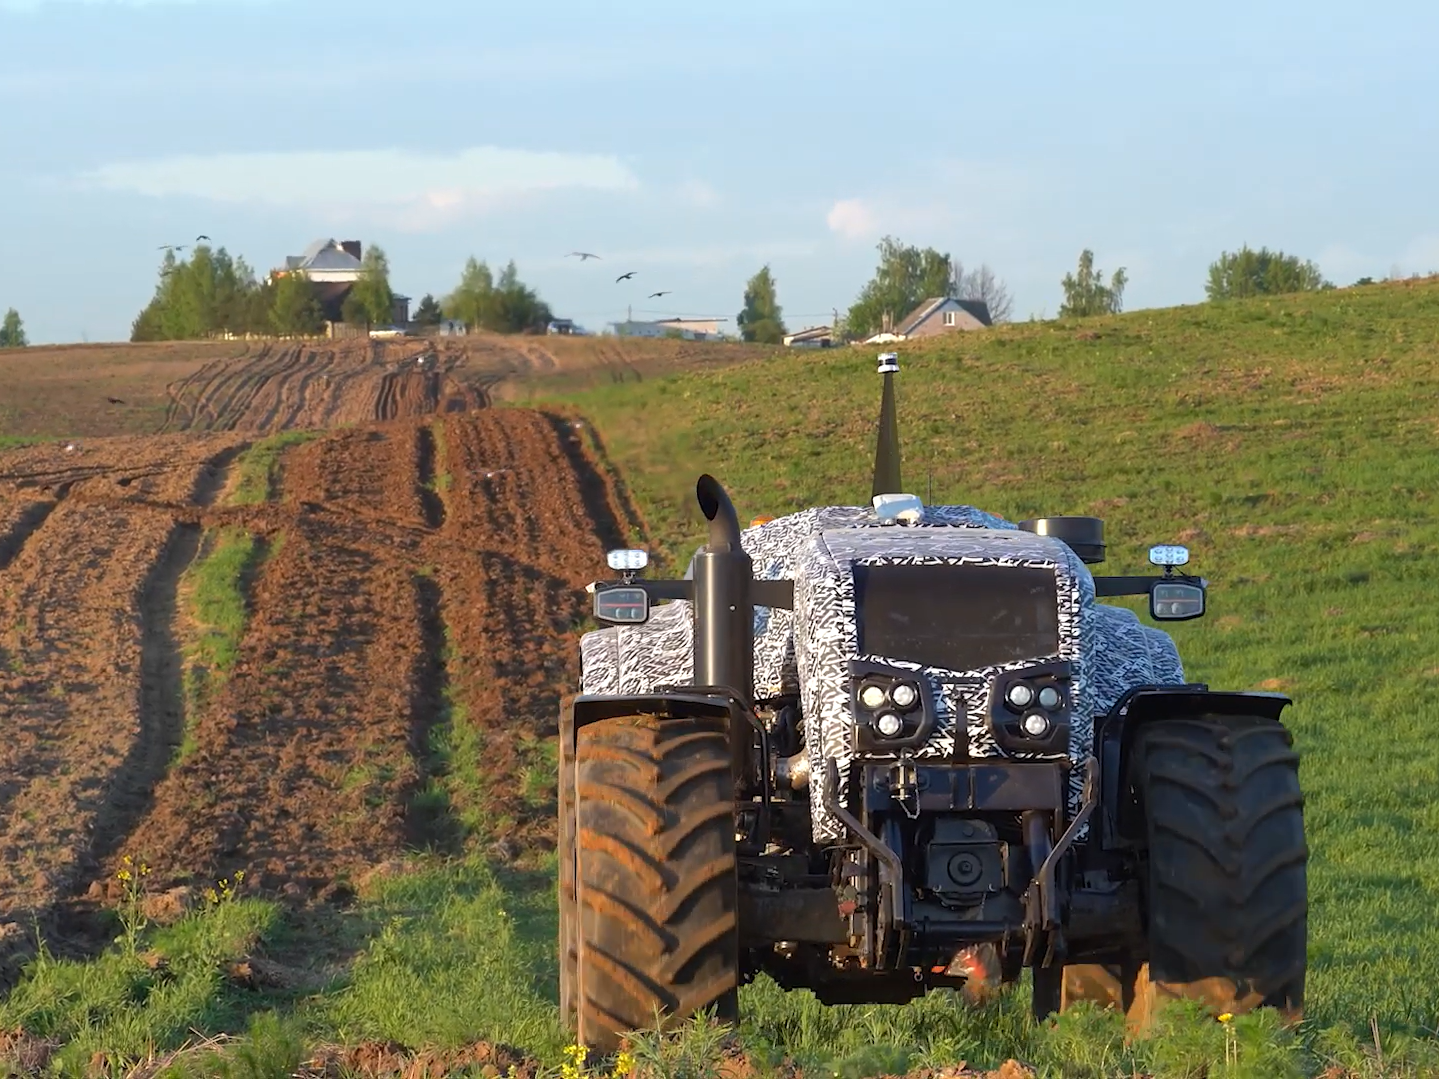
<point x="257" y="469"/>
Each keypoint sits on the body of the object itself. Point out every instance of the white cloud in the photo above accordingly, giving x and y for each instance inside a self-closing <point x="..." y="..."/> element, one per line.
<point x="852" y="219"/>
<point x="415" y="191"/>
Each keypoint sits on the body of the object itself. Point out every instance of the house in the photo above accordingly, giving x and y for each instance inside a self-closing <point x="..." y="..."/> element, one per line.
<point x="333" y="266"/>
<point x="326" y="260"/>
<point x="691" y="329"/>
<point x="814" y="337"/>
<point x="942" y="314"/>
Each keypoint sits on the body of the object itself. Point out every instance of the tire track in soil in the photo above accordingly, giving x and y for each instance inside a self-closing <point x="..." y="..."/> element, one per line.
<point x="162" y="699"/>
<point x="72" y="692"/>
<point x="305" y="766"/>
<point x="432" y="505"/>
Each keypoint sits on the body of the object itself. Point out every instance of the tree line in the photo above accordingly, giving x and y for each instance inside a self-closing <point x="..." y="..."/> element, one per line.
<point x="907" y="275"/>
<point x="211" y="293"/>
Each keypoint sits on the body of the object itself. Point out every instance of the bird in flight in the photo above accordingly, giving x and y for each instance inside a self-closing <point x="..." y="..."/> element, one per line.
<point x="172" y="247"/>
<point x="625" y="276"/>
<point x="202" y="236"/>
<point x="654" y="294"/>
<point x="583" y="255"/>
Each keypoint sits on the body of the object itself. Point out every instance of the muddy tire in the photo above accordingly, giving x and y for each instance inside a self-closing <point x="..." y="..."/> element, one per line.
<point x="656" y="882"/>
<point x="1226" y="891"/>
<point x="567" y="909"/>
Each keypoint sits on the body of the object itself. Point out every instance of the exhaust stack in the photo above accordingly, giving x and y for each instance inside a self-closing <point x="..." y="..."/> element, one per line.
<point x="886" y="451"/>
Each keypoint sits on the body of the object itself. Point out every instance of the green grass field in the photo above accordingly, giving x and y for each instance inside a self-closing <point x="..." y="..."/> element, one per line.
<point x="1291" y="444"/>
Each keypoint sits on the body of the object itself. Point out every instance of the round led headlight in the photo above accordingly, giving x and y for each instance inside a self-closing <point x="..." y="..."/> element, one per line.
<point x="1050" y="699"/>
<point x="871" y="697"/>
<point x="1019" y="695"/>
<point x="888" y="724"/>
<point x="904" y="695"/>
<point x="1036" y="725"/>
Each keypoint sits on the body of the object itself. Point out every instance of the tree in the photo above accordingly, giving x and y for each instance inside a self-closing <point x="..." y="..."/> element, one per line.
<point x="207" y="294"/>
<point x="760" y="320"/>
<point x="370" y="299"/>
<point x="1261" y="273"/>
<point x="905" y="277"/>
<point x="471" y="301"/>
<point x="428" y="312"/>
<point x="294" y="307"/>
<point x="983" y="285"/>
<point x="503" y="306"/>
<point x="1085" y="293"/>
<point x="12" y="331"/>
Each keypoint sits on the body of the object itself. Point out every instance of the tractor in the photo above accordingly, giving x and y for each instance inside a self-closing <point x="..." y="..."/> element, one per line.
<point x="877" y="751"/>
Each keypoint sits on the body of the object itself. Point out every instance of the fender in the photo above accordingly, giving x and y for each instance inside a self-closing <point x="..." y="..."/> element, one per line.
<point x="668" y="703"/>
<point x="1115" y="732"/>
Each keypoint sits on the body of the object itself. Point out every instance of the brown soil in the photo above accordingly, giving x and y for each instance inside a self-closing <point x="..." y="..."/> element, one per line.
<point x="259" y="386"/>
<point x="306" y="760"/>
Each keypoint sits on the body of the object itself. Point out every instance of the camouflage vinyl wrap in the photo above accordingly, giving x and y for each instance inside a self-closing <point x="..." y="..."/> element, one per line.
<point x="1108" y="647"/>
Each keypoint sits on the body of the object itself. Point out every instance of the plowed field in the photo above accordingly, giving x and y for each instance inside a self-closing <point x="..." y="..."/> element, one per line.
<point x="402" y="566"/>
<point x="264" y="386"/>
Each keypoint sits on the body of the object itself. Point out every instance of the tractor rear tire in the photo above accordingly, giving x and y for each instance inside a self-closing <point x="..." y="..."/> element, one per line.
<point x="656" y="875"/>
<point x="1226" y="893"/>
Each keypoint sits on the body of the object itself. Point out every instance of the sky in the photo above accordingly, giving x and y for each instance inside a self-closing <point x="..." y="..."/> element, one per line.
<point x="696" y="142"/>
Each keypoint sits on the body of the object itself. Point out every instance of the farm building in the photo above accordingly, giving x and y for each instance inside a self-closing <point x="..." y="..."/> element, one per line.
<point x="942" y="314"/>
<point x="814" y="337"/>
<point x="691" y="329"/>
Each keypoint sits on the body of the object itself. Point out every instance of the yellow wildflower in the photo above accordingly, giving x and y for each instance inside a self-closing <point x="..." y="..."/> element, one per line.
<point x="1226" y="1017"/>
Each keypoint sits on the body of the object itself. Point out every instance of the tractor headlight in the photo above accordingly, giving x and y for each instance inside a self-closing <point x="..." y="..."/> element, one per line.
<point x="871" y="696"/>
<point x="889" y="724"/>
<point x="1050" y="698"/>
<point x="1036" y="724"/>
<point x="1019" y="695"/>
<point x="904" y="695"/>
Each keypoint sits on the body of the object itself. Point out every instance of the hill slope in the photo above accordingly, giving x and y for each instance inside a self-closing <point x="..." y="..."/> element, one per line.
<point x="1293" y="444"/>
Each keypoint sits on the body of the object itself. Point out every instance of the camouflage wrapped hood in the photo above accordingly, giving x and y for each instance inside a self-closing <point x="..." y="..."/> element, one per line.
<point x="806" y="651"/>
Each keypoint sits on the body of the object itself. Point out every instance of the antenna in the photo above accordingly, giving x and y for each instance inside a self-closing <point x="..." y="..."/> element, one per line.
<point x="886" y="451"/>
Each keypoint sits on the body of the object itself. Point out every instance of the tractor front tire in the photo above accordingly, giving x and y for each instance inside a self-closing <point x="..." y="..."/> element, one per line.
<point x="1226" y="893"/>
<point x="656" y="878"/>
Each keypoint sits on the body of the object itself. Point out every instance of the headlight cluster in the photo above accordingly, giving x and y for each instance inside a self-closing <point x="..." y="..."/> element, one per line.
<point x="1041" y="704"/>
<point x="1029" y="711"/>
<point x="891" y="708"/>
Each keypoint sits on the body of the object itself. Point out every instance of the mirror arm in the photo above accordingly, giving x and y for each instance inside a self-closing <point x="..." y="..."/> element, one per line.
<point x="1139" y="586"/>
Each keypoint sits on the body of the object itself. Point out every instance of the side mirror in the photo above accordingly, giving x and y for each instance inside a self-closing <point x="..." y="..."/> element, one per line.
<point x="627" y="561"/>
<point x="626" y="605"/>
<point x="1175" y="601"/>
<point x="1168" y="555"/>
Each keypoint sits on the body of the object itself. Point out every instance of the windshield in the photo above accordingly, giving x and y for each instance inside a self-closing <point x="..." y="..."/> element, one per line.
<point x="958" y="618"/>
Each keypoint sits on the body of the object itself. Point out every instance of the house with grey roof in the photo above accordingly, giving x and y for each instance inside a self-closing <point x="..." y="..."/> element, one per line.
<point x="327" y="260"/>
<point x="333" y="266"/>
<point x="941" y="314"/>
